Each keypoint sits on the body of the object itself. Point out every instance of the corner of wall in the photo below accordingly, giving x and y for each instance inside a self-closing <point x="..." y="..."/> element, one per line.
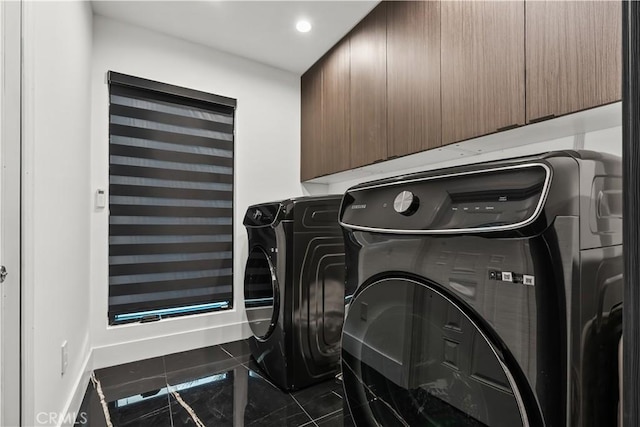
<point x="80" y="384"/>
<point x="313" y="189"/>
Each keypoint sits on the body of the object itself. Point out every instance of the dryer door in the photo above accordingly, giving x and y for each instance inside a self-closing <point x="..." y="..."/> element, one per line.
<point x="261" y="296"/>
<point x="410" y="356"/>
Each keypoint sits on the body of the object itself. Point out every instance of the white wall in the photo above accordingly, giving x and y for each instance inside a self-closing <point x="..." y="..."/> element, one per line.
<point x="267" y="152"/>
<point x="608" y="140"/>
<point x="56" y="203"/>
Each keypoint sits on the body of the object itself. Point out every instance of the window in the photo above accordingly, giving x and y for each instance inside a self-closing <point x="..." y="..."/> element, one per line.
<point x="170" y="200"/>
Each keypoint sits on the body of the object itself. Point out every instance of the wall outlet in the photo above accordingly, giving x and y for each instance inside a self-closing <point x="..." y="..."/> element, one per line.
<point x="64" y="358"/>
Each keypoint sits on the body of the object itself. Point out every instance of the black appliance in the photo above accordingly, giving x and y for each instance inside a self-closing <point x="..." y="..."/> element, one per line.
<point x="294" y="288"/>
<point x="487" y="294"/>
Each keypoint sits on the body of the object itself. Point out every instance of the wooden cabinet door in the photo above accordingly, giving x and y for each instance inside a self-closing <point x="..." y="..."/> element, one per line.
<point x="482" y="59"/>
<point x="311" y="123"/>
<point x="413" y="77"/>
<point x="608" y="51"/>
<point x="574" y="56"/>
<point x="369" y="88"/>
<point x="335" y="153"/>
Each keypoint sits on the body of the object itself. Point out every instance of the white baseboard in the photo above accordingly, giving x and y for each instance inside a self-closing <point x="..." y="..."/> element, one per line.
<point x="132" y="351"/>
<point x="72" y="407"/>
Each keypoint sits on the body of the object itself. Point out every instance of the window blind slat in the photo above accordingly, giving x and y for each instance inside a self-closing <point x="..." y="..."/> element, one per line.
<point x="154" y="201"/>
<point x="163" y="164"/>
<point x="164" y="183"/>
<point x="168" y="285"/>
<point x="181" y="121"/>
<point x="169" y="108"/>
<point x="168" y="193"/>
<point x="170" y="156"/>
<point x="170" y="201"/>
<point x="142" y="259"/>
<point x="131" y="122"/>
<point x="160" y="230"/>
<point x="163" y="174"/>
<point x="142" y="240"/>
<point x="150" y="220"/>
<point x="167" y="146"/>
<point x="169" y="267"/>
<point x="119" y="250"/>
<point x="163" y="296"/>
<point x="169" y="137"/>
<point x="126" y="210"/>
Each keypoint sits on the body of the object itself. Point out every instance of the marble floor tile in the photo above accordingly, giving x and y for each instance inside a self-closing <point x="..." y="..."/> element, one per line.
<point x="238" y="349"/>
<point x="197" y="364"/>
<point x="218" y="386"/>
<point x="132" y="378"/>
<point x="319" y="399"/>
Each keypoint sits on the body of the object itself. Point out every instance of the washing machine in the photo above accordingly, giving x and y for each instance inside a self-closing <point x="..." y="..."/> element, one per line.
<point x="294" y="289"/>
<point x="487" y="294"/>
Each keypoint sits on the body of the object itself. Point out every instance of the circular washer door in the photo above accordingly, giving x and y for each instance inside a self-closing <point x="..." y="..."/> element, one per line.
<point x="260" y="293"/>
<point x="411" y="357"/>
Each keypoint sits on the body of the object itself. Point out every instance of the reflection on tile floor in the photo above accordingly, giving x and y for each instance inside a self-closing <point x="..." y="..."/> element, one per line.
<point x="214" y="386"/>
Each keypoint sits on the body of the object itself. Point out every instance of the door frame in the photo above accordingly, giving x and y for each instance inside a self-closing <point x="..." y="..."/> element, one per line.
<point x="10" y="211"/>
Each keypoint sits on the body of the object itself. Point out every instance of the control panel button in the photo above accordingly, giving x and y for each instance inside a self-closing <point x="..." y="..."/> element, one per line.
<point x="405" y="203"/>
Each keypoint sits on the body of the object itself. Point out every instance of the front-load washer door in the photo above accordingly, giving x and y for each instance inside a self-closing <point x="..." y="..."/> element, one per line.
<point x="411" y="357"/>
<point x="261" y="295"/>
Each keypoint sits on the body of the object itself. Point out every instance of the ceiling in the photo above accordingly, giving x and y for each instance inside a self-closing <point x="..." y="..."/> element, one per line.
<point x="263" y="31"/>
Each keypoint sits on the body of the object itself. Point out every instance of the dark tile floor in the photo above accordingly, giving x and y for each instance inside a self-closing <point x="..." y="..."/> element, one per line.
<point x="213" y="386"/>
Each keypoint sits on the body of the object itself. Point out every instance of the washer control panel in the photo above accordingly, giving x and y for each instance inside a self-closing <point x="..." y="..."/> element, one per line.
<point x="484" y="199"/>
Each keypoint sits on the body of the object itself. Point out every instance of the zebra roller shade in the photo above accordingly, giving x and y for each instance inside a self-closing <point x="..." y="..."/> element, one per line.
<point x="170" y="200"/>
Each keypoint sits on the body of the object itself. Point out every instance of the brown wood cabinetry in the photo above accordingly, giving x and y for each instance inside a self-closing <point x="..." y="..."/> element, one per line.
<point x="413" y="77"/>
<point x="325" y="115"/>
<point x="482" y="55"/>
<point x="311" y="123"/>
<point x="368" y="90"/>
<point x="335" y="109"/>
<point x="608" y="51"/>
<point x="574" y="56"/>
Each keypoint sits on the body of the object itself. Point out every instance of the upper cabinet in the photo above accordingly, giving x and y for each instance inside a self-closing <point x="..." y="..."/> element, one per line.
<point x="369" y="88"/>
<point x="311" y="124"/>
<point x="574" y="56"/>
<point x="608" y="17"/>
<point x="482" y="67"/>
<point x="325" y="115"/>
<point x="413" y="77"/>
<point x="335" y="109"/>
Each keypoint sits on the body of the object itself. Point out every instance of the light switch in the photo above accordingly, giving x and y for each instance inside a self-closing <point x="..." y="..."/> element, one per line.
<point x="101" y="198"/>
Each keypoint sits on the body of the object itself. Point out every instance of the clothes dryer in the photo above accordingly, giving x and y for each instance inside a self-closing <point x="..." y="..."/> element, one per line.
<point x="294" y="288"/>
<point x="487" y="294"/>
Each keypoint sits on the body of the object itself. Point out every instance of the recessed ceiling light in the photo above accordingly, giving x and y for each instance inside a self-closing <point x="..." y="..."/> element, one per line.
<point x="303" y="26"/>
